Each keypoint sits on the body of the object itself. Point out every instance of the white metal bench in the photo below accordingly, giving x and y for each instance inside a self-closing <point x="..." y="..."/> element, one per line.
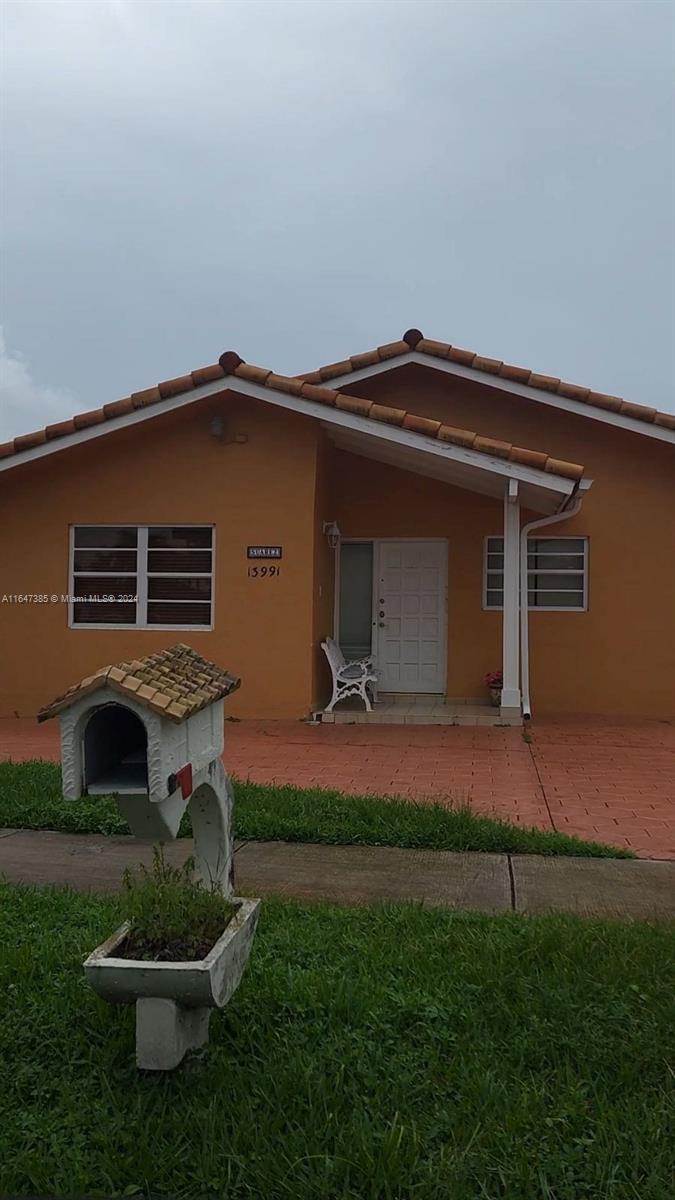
<point x="349" y="679"/>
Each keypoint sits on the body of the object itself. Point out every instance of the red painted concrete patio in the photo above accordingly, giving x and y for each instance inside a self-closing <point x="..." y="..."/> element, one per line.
<point x="606" y="779"/>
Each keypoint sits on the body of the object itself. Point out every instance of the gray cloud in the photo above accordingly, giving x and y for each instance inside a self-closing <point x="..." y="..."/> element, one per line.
<point x="299" y="181"/>
<point x="26" y="404"/>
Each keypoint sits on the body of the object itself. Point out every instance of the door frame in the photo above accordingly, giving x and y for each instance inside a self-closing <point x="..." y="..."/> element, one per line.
<point x="376" y="544"/>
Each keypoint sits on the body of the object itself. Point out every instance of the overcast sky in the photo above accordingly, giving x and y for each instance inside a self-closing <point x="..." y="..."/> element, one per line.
<point x="302" y="180"/>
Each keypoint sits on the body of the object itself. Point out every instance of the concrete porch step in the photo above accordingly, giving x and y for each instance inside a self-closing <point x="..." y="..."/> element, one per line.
<point x="430" y="698"/>
<point x="415" y="710"/>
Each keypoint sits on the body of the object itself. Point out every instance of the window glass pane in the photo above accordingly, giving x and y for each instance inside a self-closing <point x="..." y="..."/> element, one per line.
<point x="495" y="599"/>
<point x="179" y="614"/>
<point x="105" y="585"/>
<point x="105" y="560"/>
<point x="566" y="599"/>
<point x="105" y="535"/>
<point x="556" y="562"/>
<point x="495" y="581"/>
<point x="495" y="562"/>
<point x="171" y="562"/>
<point x="545" y="582"/>
<point x="356" y="598"/>
<point x="162" y="587"/>
<point x="556" y="600"/>
<point x="495" y="545"/>
<point x="104" y="614"/>
<point x="179" y="536"/>
<point x="556" y="545"/>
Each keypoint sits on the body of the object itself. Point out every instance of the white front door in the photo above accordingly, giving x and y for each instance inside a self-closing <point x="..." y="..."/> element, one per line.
<point x="410" y="615"/>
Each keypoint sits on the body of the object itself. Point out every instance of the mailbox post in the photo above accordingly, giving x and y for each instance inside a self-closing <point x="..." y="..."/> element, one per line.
<point x="151" y="733"/>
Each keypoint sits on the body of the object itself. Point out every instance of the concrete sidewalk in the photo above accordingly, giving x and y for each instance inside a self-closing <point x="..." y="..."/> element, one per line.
<point x="490" y="883"/>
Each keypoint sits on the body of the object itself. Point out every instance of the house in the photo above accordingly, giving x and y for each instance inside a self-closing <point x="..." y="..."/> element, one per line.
<point x="396" y="499"/>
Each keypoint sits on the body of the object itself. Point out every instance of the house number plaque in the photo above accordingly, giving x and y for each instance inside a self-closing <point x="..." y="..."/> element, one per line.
<point x="263" y="570"/>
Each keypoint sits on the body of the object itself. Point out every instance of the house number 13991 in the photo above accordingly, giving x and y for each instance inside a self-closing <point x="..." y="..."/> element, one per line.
<point x="262" y="572"/>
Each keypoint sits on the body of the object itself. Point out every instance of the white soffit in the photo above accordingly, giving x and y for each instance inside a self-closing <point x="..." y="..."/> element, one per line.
<point x="473" y="479"/>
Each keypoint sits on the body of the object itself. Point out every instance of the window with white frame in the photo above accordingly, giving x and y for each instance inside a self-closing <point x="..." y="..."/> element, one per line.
<point x="557" y="574"/>
<point x="142" y="576"/>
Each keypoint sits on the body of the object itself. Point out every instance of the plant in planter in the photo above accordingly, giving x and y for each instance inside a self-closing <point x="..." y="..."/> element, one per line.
<point x="495" y="682"/>
<point x="170" y="915"/>
<point x="180" y="953"/>
<point x="150" y="732"/>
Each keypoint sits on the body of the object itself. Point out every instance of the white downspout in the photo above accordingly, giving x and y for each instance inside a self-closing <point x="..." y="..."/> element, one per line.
<point x="566" y="514"/>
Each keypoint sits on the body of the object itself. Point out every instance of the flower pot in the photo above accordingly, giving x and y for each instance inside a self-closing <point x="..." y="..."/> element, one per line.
<point x="174" y="999"/>
<point x="496" y="696"/>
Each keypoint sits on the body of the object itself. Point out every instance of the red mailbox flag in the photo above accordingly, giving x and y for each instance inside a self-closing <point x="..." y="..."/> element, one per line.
<point x="184" y="781"/>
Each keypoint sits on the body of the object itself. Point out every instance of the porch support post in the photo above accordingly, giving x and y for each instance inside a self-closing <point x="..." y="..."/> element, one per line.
<point x="510" y="705"/>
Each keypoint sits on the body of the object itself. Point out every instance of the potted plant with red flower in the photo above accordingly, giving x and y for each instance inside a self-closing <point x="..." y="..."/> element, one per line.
<point x="495" y="682"/>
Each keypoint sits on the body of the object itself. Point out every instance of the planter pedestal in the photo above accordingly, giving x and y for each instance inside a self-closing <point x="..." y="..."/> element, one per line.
<point x="174" y="999"/>
<point x="165" y="1031"/>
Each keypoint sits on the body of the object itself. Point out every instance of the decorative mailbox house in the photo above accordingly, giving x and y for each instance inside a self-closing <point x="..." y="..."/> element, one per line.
<point x="151" y="733"/>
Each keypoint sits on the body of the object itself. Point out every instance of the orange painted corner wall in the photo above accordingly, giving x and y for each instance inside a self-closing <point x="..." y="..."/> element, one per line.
<point x="171" y="470"/>
<point x="618" y="657"/>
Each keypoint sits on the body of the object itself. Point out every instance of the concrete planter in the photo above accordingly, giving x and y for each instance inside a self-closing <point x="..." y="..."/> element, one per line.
<point x="174" y="999"/>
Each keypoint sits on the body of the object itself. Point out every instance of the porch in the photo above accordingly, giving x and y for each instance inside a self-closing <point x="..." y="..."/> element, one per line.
<point x="417" y="709"/>
<point x="423" y="563"/>
<point x="436" y="614"/>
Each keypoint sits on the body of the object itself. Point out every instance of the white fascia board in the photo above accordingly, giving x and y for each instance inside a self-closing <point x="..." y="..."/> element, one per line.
<point x="309" y="408"/>
<point x="507" y="385"/>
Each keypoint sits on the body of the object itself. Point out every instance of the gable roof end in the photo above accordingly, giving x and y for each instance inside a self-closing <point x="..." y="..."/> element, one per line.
<point x="414" y="341"/>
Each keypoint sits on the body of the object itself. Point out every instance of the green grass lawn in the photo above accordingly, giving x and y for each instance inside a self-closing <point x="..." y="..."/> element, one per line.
<point x="370" y="1054"/>
<point x="30" y="798"/>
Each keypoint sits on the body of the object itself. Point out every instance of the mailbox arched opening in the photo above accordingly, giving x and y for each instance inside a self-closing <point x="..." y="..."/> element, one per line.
<point x="115" y="752"/>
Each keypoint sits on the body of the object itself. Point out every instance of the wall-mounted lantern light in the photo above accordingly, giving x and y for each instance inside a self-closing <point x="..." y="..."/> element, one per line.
<point x="332" y="532"/>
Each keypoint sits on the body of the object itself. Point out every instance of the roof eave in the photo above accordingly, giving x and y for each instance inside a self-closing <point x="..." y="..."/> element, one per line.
<point x="395" y="434"/>
<point x="480" y="461"/>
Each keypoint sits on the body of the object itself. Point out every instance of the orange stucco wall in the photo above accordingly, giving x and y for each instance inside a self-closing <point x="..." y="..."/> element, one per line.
<point x="280" y="484"/>
<point x="170" y="470"/>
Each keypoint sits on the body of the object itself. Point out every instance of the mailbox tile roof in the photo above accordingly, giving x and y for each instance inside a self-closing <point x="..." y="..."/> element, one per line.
<point x="175" y="683"/>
